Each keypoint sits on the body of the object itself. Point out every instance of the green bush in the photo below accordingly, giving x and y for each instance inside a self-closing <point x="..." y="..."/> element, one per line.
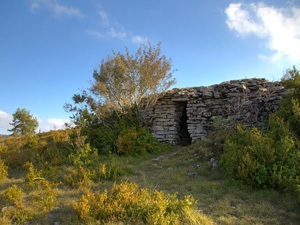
<point x="52" y="148"/>
<point x="112" y="170"/>
<point x="264" y="159"/>
<point x="137" y="140"/>
<point x="44" y="200"/>
<point x="38" y="179"/>
<point x="16" y="215"/>
<point x="121" y="135"/>
<point x="13" y="152"/>
<point x="78" y="177"/>
<point x="289" y="105"/>
<point x="14" y="212"/>
<point x="102" y="138"/>
<point x="270" y="158"/>
<point x="249" y="155"/>
<point x="12" y="196"/>
<point x="85" y="156"/>
<point x="3" y="170"/>
<point x="128" y="204"/>
<point x="83" y="175"/>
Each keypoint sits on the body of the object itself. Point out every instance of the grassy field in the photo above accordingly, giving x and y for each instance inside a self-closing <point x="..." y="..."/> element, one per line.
<point x="184" y="170"/>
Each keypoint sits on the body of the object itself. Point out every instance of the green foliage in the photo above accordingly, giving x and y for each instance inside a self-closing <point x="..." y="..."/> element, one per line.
<point x="13" y="151"/>
<point x="18" y="212"/>
<point x="112" y="170"/>
<point x="30" y="142"/>
<point x="269" y="158"/>
<point x="16" y="215"/>
<point x="126" y="203"/>
<point x="289" y="106"/>
<point x="86" y="156"/>
<point x="249" y="155"/>
<point x="260" y="160"/>
<point x="37" y="179"/>
<point x="124" y="83"/>
<point x="52" y="148"/>
<point x="84" y="174"/>
<point x="45" y="199"/>
<point x="14" y="211"/>
<point x="23" y="123"/>
<point x="137" y="140"/>
<point x="12" y="196"/>
<point x="78" y="177"/>
<point x="102" y="137"/>
<point x="3" y="170"/>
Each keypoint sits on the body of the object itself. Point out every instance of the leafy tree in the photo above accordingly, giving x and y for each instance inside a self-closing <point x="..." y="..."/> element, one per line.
<point x="23" y="123"/>
<point x="124" y="84"/>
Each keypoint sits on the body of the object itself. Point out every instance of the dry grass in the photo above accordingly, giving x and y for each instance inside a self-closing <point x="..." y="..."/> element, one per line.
<point x="220" y="198"/>
<point x="185" y="171"/>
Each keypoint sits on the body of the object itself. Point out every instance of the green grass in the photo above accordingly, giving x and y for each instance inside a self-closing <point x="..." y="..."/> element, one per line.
<point x="186" y="171"/>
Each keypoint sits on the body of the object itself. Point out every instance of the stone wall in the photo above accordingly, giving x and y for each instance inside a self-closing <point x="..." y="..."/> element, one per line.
<point x="184" y="115"/>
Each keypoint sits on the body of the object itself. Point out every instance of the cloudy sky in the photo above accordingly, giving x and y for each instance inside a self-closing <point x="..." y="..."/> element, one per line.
<point x="49" y="48"/>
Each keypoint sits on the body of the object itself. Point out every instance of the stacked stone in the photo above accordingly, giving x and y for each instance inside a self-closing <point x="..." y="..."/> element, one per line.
<point x="247" y="101"/>
<point x="165" y="117"/>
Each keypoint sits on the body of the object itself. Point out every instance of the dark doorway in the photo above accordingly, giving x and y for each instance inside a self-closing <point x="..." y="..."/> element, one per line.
<point x="184" y="135"/>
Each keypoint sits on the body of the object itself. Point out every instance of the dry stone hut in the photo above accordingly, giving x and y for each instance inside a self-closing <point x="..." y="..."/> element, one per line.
<point x="182" y="116"/>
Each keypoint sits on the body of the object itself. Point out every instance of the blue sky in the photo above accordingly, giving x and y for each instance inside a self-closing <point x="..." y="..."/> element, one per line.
<point x="49" y="48"/>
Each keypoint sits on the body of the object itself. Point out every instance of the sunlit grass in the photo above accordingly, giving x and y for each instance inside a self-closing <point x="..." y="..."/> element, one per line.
<point x="179" y="169"/>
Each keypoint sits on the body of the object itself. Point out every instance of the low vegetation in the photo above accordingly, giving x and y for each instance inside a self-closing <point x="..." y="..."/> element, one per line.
<point x="110" y="170"/>
<point x="135" y="189"/>
<point x="270" y="158"/>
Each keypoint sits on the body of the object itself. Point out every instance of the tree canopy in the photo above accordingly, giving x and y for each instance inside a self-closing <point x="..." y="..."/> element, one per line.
<point x="23" y="123"/>
<point x="125" y="83"/>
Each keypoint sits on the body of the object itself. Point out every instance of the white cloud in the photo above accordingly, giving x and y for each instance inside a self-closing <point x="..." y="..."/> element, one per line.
<point x="5" y="119"/>
<point x="111" y="33"/>
<point x="139" y="39"/>
<point x="52" y="124"/>
<point x="57" y="9"/>
<point x="279" y="27"/>
<point x="108" y="28"/>
<point x="111" y="28"/>
<point x="115" y="34"/>
<point x="44" y="124"/>
<point x="96" y="34"/>
<point x="104" y="18"/>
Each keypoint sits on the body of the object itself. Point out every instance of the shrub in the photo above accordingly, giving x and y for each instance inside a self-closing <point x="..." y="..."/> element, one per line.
<point x="13" y="196"/>
<point x="78" y="177"/>
<point x="137" y="140"/>
<point x="85" y="156"/>
<point x="129" y="204"/>
<point x="30" y="141"/>
<point x="112" y="171"/>
<point x="249" y="156"/>
<point x="35" y="179"/>
<point x="82" y="175"/>
<point x="13" y="152"/>
<point x="44" y="200"/>
<point x="14" y="211"/>
<point x="3" y="170"/>
<point x="16" y="215"/>
<point x="261" y="160"/>
<point x="270" y="158"/>
<point x="102" y="138"/>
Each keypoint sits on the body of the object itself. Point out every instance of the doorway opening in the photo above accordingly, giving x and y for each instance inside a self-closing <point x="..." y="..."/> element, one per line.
<point x="184" y="135"/>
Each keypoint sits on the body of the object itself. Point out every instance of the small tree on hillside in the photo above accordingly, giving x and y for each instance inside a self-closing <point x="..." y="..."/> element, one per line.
<point x="290" y="104"/>
<point x="23" y="123"/>
<point x="126" y="83"/>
